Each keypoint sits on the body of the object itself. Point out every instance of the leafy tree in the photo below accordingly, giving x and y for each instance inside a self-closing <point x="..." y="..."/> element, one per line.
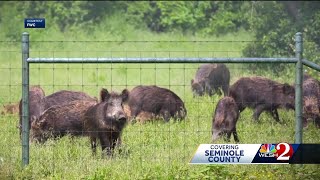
<point x="275" y="24"/>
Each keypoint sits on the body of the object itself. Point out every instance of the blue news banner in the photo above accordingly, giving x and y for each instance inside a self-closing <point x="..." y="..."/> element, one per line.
<point x="281" y="153"/>
<point x="34" y="23"/>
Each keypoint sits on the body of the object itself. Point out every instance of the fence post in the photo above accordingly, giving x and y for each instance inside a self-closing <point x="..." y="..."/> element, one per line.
<point x="25" y="99"/>
<point x="298" y="89"/>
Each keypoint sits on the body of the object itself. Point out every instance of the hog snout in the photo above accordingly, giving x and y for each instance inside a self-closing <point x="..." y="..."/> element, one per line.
<point x="122" y="117"/>
<point x="119" y="116"/>
<point x="215" y="135"/>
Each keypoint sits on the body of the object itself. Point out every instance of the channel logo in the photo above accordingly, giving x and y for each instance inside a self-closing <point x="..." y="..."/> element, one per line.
<point x="281" y="151"/>
<point x="267" y="150"/>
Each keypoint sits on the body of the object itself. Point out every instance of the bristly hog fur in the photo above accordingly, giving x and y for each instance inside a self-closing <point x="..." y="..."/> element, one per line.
<point x="106" y="120"/>
<point x="60" y="120"/>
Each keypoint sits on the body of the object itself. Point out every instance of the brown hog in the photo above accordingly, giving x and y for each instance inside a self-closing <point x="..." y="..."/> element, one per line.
<point x="10" y="109"/>
<point x="311" y="100"/>
<point x="225" y="119"/>
<point x="157" y="101"/>
<point x="36" y="94"/>
<point x="60" y="120"/>
<point x="142" y="117"/>
<point x="209" y="78"/>
<point x="262" y="94"/>
<point x="106" y="120"/>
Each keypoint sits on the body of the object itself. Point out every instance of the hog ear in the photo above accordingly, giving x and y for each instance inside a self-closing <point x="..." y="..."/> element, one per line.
<point x="34" y="119"/>
<point x="287" y="89"/>
<point x="125" y="95"/>
<point x="192" y="81"/>
<point x="104" y="95"/>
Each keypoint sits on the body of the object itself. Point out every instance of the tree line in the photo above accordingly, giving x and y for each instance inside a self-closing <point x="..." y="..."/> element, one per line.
<point x="272" y="23"/>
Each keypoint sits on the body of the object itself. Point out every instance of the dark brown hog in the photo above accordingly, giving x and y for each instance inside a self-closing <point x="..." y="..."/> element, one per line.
<point x="209" y="78"/>
<point x="60" y="120"/>
<point x="262" y="94"/>
<point x="36" y="94"/>
<point x="311" y="100"/>
<point x="106" y="120"/>
<point x="65" y="96"/>
<point x="156" y="101"/>
<point x="225" y="119"/>
<point x="39" y="103"/>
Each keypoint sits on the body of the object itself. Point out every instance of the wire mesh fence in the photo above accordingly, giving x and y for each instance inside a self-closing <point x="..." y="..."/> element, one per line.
<point x="145" y="144"/>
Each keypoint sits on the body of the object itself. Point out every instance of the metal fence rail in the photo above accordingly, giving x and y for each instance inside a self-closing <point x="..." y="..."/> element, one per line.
<point x="298" y="60"/>
<point x="162" y="60"/>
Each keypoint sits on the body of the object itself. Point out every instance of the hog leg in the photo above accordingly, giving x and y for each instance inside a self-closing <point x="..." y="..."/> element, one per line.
<point x="304" y="121"/>
<point x="207" y="88"/>
<point x="119" y="143"/>
<point x="225" y="89"/>
<point x="105" y="143"/>
<point x="275" y="114"/>
<point x="317" y="121"/>
<point x="134" y="112"/>
<point x="235" y="135"/>
<point x="228" y="136"/>
<point x="219" y="90"/>
<point x="93" y="141"/>
<point x="257" y="112"/>
<point x="114" y="139"/>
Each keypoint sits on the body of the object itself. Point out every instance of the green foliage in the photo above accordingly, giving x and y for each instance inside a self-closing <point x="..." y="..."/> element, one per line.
<point x="274" y="29"/>
<point x="202" y="17"/>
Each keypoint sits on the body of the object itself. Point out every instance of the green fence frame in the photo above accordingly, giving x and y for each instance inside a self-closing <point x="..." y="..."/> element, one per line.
<point x="25" y="78"/>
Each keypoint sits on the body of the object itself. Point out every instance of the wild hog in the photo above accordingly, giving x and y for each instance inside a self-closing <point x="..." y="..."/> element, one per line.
<point x="39" y="103"/>
<point x="59" y="120"/>
<point x="64" y="96"/>
<point x="36" y="94"/>
<point x="262" y="94"/>
<point x="225" y="119"/>
<point x="12" y="108"/>
<point x="106" y="120"/>
<point x="311" y="100"/>
<point x="157" y="101"/>
<point x="142" y="117"/>
<point x="209" y="78"/>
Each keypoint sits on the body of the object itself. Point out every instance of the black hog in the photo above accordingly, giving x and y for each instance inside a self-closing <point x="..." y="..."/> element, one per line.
<point x="311" y="100"/>
<point x="262" y="94"/>
<point x="225" y="119"/>
<point x="157" y="101"/>
<point x="36" y="94"/>
<point x="106" y="120"/>
<point x="60" y="120"/>
<point x="209" y="78"/>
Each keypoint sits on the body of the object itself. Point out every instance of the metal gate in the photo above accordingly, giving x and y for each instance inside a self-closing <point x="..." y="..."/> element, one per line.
<point x="26" y="60"/>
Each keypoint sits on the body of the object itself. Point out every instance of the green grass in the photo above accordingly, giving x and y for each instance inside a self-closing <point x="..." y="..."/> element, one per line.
<point x="154" y="150"/>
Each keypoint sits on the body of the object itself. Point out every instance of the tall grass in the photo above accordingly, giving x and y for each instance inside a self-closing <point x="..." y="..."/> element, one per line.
<point x="154" y="150"/>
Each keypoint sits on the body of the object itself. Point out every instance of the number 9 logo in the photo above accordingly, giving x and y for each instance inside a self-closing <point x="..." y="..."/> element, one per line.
<point x="285" y="151"/>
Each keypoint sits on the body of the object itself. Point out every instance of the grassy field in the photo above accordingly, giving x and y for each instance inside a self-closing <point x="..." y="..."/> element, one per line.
<point x="154" y="150"/>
